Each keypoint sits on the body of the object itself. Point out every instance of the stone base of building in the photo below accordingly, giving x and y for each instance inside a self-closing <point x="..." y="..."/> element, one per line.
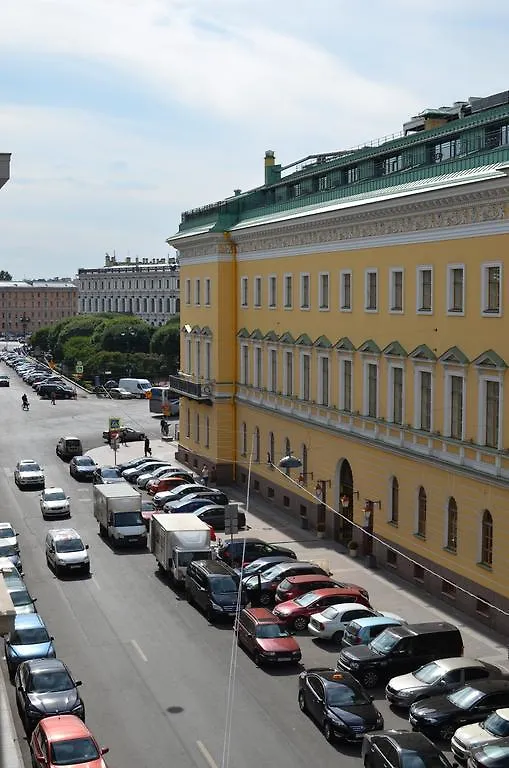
<point x="219" y="474"/>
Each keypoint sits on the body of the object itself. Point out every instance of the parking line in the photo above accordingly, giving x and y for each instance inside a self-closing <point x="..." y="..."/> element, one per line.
<point x="206" y="755"/>
<point x="138" y="649"/>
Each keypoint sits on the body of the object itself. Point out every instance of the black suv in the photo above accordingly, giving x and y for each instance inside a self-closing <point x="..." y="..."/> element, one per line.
<point x="213" y="586"/>
<point x="234" y="553"/>
<point x="396" y="749"/>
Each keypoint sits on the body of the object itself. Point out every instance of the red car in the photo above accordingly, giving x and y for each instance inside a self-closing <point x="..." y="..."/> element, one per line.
<point x="159" y="484"/>
<point x="65" y="740"/>
<point x="294" y="586"/>
<point x="297" y="613"/>
<point x="266" y="638"/>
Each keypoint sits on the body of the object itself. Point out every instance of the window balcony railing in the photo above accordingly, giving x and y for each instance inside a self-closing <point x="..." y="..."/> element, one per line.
<point x="187" y="386"/>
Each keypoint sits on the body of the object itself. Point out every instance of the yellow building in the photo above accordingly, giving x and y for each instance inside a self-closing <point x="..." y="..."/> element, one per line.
<point x="352" y="311"/>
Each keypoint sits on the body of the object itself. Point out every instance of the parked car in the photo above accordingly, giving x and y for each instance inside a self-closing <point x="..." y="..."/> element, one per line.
<point x="208" y="496"/>
<point x="296" y="613"/>
<point x="401" y="749"/>
<point x="338" y="704"/>
<point x="82" y="468"/>
<point x="150" y="465"/>
<point x="246" y="550"/>
<point x="158" y="485"/>
<point x="178" y="491"/>
<point x="65" y="740"/>
<point x="4" y="380"/>
<point x="9" y="546"/>
<point x="261" y="587"/>
<point x="29" y="474"/>
<point x="119" y="393"/>
<point x="46" y="687"/>
<point x="262" y="564"/>
<point x="363" y="631"/>
<point x="54" y="502"/>
<point x="105" y="475"/>
<point x="438" y="678"/>
<point x="121" y="466"/>
<point x="440" y="716"/>
<point x="69" y="446"/>
<point x="66" y="552"/>
<point x="60" y="391"/>
<point x="266" y="638"/>
<point x="22" y="600"/>
<point x="28" y="639"/>
<point x="148" y="508"/>
<point x="330" y="623"/>
<point x="214" y="515"/>
<point x="126" y="434"/>
<point x="213" y="586"/>
<point x="163" y="471"/>
<point x="294" y="586"/>
<point x="469" y="737"/>
<point x="490" y="755"/>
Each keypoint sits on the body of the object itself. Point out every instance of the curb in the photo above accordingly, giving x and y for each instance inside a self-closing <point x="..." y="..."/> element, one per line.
<point x="10" y="752"/>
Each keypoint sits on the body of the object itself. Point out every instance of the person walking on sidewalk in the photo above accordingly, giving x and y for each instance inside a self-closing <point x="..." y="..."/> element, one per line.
<point x="53" y="397"/>
<point x="205" y="475"/>
<point x="148" y="449"/>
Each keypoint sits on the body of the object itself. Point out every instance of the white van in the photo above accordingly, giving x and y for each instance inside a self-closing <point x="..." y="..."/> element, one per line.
<point x="65" y="551"/>
<point x="138" y="387"/>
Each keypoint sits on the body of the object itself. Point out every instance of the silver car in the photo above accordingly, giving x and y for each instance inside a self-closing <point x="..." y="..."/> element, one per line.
<point x="29" y="474"/>
<point x="469" y="737"/>
<point x="54" y="503"/>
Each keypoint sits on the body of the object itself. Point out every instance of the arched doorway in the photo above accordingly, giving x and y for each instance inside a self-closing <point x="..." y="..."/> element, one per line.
<point x="343" y="529"/>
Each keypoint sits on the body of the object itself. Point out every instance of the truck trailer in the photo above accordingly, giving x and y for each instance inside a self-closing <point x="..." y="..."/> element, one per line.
<point x="178" y="539"/>
<point x="117" y="509"/>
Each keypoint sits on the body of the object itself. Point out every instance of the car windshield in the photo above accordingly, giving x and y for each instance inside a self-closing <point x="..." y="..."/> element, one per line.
<point x="497" y="725"/>
<point x="410" y="759"/>
<point x="271" y="631"/>
<point x="384" y="643"/>
<point x="272" y="573"/>
<point x="6" y="533"/>
<point x="7" y="550"/>
<point x="223" y="584"/>
<point x="330" y="613"/>
<point x="74" y="751"/>
<point x="128" y="518"/>
<point x="69" y="545"/>
<point x="20" y="597"/>
<point x="30" y="636"/>
<point x="84" y="461"/>
<point x="307" y="599"/>
<point x="45" y="681"/>
<point x="429" y="673"/>
<point x="465" y="697"/>
<point x="109" y="472"/>
<point x="254" y="567"/>
<point x="54" y="496"/>
<point x="343" y="695"/>
<point x="29" y="466"/>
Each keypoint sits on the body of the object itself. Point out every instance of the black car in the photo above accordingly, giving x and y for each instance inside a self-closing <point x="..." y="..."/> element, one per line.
<point x="401" y="749"/>
<point x="261" y="587"/>
<point x="338" y="703"/>
<point x="234" y="553"/>
<point x="495" y="754"/>
<point x="125" y="434"/>
<point x="107" y="475"/>
<point x="46" y="391"/>
<point x="45" y="687"/>
<point x="213" y="586"/>
<point x="131" y="463"/>
<point x="82" y="468"/>
<point x="442" y="715"/>
<point x="213" y="515"/>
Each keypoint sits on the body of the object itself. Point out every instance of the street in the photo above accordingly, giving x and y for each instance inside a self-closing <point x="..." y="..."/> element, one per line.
<point x="155" y="673"/>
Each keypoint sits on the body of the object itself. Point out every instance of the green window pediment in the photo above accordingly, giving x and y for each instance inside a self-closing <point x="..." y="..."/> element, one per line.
<point x="286" y="338"/>
<point x="243" y="333"/>
<point x="490" y="359"/>
<point x="271" y="336"/>
<point x="256" y="335"/>
<point x="423" y="352"/>
<point x="196" y="330"/>
<point x="186" y="328"/>
<point x="454" y="356"/>
<point x="304" y="341"/>
<point x="395" y="349"/>
<point x="370" y="347"/>
<point x="345" y="345"/>
<point x="322" y="342"/>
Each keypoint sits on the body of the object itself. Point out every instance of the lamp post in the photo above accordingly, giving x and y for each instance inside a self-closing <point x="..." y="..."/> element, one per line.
<point x="129" y="334"/>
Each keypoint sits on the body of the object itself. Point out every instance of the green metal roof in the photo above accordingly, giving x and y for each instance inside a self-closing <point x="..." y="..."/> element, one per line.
<point x="490" y="359"/>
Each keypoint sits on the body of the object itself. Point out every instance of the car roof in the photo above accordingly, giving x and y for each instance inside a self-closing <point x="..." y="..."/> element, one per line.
<point x="215" y="567"/>
<point x="62" y="727"/>
<point x="331" y="676"/>
<point x="44" y="665"/>
<point x="344" y="607"/>
<point x="488" y="686"/>
<point x="27" y="461"/>
<point x="53" y="488"/>
<point x="70" y="437"/>
<point x="305" y="577"/>
<point x="298" y="564"/>
<point x="263" y="615"/>
<point x="376" y="621"/>
<point x="332" y="591"/>
<point x="240" y="542"/>
<point x="410" y="740"/>
<point x="28" y="621"/>
<point x="7" y="525"/>
<point x="64" y="533"/>
<point x="459" y="662"/>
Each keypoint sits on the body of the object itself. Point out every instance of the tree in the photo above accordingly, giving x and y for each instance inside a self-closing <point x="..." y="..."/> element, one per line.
<point x="166" y="342"/>
<point x="4" y="275"/>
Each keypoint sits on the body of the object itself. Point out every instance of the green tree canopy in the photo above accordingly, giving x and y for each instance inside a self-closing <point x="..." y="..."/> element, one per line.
<point x="166" y="341"/>
<point x="4" y="275"/>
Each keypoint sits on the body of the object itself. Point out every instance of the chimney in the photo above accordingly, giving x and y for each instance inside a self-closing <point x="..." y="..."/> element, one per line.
<point x="237" y="192"/>
<point x="272" y="171"/>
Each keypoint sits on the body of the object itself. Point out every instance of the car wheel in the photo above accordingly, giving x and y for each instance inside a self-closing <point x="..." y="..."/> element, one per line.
<point x="370" y="679"/>
<point x="368" y="763"/>
<point x="189" y="597"/>
<point x="328" y="732"/>
<point x="58" y="571"/>
<point x="265" y="598"/>
<point x="209" y="614"/>
<point x="257" y="659"/>
<point x="446" y="732"/>
<point x="337" y="636"/>
<point x="300" y="623"/>
<point x="302" y="702"/>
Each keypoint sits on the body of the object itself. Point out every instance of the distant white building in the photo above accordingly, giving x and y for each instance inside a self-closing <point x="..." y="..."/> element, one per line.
<point x="147" y="288"/>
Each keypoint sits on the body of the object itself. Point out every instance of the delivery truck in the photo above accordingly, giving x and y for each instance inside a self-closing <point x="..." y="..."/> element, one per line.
<point x="117" y="509"/>
<point x="178" y="539"/>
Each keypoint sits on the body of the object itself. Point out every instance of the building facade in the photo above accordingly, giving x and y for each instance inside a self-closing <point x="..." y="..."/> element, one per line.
<point x="353" y="311"/>
<point x="27" y="305"/>
<point x="148" y="289"/>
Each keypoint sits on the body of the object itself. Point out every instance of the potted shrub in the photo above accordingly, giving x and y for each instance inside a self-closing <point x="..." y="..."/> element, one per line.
<point x="353" y="548"/>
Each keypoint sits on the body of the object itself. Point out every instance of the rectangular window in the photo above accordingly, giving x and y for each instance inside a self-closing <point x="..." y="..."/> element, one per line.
<point x="244" y="364"/>
<point x="288" y="385"/>
<point x="323" y="381"/>
<point x="425" y="401"/>
<point x="208" y="360"/>
<point x="345" y="291"/>
<point x="397" y="395"/>
<point x="371" y="290"/>
<point x="396" y="290"/>
<point x="492" y="414"/>
<point x="188" y="361"/>
<point x="243" y="292"/>
<point x="188" y="423"/>
<point x="257" y="297"/>
<point x="207" y="291"/>
<point x="287" y="291"/>
<point x="197" y="354"/>
<point x="352" y="174"/>
<point x="273" y="370"/>
<point x="197" y="430"/>
<point x="258" y="381"/>
<point x="304" y="291"/>
<point x="491" y="288"/>
<point x="346" y="385"/>
<point x="188" y="292"/>
<point x="424" y="289"/>
<point x="197" y="292"/>
<point x="207" y="432"/>
<point x="455" y="289"/>
<point x="272" y="291"/>
<point x="372" y="390"/>
<point x="456" y="394"/>
<point x="323" y="290"/>
<point x="305" y="377"/>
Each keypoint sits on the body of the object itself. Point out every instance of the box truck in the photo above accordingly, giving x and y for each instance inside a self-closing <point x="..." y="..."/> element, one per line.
<point x="117" y="509"/>
<point x="178" y="539"/>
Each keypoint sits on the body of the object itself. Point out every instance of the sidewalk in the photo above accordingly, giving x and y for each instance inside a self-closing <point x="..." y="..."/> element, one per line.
<point x="10" y="753"/>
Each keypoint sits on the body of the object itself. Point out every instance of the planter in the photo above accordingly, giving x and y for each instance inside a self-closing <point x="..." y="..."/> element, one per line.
<point x="353" y="552"/>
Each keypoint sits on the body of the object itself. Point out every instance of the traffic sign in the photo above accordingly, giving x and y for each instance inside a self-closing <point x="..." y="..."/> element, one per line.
<point x="115" y="423"/>
<point x="79" y="366"/>
<point x="231" y="518"/>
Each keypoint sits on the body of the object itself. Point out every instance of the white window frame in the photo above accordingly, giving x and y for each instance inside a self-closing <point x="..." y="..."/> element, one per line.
<point x="301" y="377"/>
<point x="287" y="304"/>
<point x="304" y="307"/>
<point x="419" y="293"/>
<point x="485" y="312"/>
<point x="244" y="291"/>
<point x="272" y="291"/>
<point x="367" y="273"/>
<point x="390" y="393"/>
<point x="207" y="291"/>
<point x="450" y="291"/>
<point x="365" y="388"/>
<point x="392" y="291"/>
<point x="288" y="387"/>
<point x="257" y="368"/>
<point x="257" y="291"/>
<point x="342" y="293"/>
<point x="448" y="374"/>
<point x="319" y="398"/>
<point x="244" y="364"/>
<point x="271" y="384"/>
<point x="481" y="407"/>
<point x="418" y="369"/>
<point x="323" y="306"/>
<point x="187" y="292"/>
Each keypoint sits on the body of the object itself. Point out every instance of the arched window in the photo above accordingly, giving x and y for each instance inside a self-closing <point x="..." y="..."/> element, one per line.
<point x="421" y="513"/>
<point x="271" y="456"/>
<point x="102" y="305"/>
<point x="243" y="439"/>
<point x="160" y="306"/>
<point x="256" y="456"/>
<point x="152" y="305"/>
<point x="177" y="306"/>
<point x="109" y="305"/>
<point x="452" y="525"/>
<point x="394" y="518"/>
<point x="487" y="538"/>
<point x="168" y="306"/>
<point x="138" y="305"/>
<point x="145" y="305"/>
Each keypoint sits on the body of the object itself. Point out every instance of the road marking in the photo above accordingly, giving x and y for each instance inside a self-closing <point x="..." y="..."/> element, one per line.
<point x="138" y="649"/>
<point x="96" y="583"/>
<point x="206" y="754"/>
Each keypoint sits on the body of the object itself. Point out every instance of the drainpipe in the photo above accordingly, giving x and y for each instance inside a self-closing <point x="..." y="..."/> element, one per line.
<point x="232" y="247"/>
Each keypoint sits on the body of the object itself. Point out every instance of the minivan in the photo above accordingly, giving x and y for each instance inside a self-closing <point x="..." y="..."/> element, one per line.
<point x="66" y="552"/>
<point x="363" y="631"/>
<point x="67" y="447"/>
<point x="402" y="649"/>
<point x="213" y="586"/>
<point x="138" y="387"/>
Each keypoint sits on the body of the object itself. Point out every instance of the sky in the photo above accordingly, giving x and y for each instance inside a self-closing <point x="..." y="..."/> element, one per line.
<point x="122" y="114"/>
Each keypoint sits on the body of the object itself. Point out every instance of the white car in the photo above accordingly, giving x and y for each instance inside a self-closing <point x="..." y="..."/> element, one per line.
<point x="29" y="473"/>
<point x="469" y="737"/>
<point x="54" y="503"/>
<point x="66" y="552"/>
<point x="8" y="536"/>
<point x="330" y="623"/>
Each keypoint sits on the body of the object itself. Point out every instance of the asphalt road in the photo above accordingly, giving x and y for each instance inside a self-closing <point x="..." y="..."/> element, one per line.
<point x="155" y="673"/>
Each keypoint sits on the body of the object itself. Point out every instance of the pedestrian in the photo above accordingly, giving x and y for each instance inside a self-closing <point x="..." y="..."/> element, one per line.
<point x="205" y="475"/>
<point x="148" y="449"/>
<point x="53" y="397"/>
<point x="123" y="437"/>
<point x="163" y="422"/>
<point x="166" y="428"/>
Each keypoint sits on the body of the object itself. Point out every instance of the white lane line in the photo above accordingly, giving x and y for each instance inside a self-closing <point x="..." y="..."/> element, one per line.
<point x="138" y="649"/>
<point x="206" y="755"/>
<point x="96" y="583"/>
